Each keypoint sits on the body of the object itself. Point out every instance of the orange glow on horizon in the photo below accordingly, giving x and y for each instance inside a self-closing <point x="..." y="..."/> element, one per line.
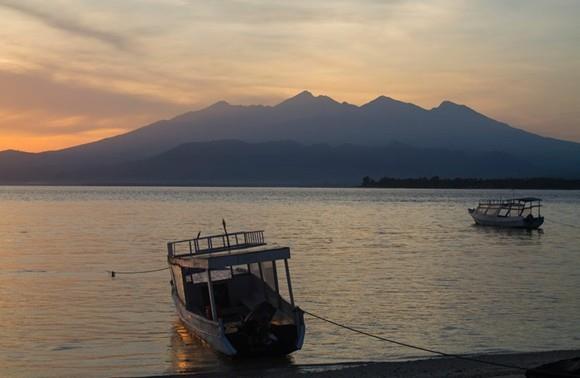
<point x="34" y="143"/>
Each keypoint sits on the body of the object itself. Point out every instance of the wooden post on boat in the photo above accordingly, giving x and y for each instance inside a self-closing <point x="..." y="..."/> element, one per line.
<point x="275" y="272"/>
<point x="228" y="243"/>
<point x="226" y="231"/>
<point x="289" y="282"/>
<point x="211" y="297"/>
<point x="276" y="284"/>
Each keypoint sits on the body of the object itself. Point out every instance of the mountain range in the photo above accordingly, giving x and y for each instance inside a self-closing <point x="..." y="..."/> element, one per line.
<point x="304" y="140"/>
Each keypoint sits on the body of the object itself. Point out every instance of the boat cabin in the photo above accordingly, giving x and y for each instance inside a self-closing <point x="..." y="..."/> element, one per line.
<point x="515" y="207"/>
<point x="236" y="280"/>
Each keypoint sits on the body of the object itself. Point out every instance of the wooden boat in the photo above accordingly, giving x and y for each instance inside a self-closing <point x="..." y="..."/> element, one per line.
<point x="227" y="292"/>
<point x="511" y="213"/>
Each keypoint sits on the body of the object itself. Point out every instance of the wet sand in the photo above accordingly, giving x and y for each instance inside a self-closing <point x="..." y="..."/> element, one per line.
<point x="433" y="367"/>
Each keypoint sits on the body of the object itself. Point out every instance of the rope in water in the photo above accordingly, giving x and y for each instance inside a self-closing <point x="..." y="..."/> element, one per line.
<point x="564" y="224"/>
<point x="433" y="351"/>
<point x="400" y="343"/>
<point x="114" y="272"/>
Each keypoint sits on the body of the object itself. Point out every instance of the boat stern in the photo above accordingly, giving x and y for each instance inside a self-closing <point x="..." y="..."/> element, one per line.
<point x="533" y="222"/>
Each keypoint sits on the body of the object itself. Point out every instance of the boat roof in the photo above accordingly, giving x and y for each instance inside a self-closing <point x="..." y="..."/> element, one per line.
<point x="223" y="250"/>
<point x="510" y="202"/>
<point x="224" y="259"/>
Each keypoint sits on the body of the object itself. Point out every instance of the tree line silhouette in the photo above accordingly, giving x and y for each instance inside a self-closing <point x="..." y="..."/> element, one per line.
<point x="436" y="182"/>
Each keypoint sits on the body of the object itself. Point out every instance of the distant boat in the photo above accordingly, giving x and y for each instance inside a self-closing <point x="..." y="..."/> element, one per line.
<point x="511" y="213"/>
<point x="227" y="292"/>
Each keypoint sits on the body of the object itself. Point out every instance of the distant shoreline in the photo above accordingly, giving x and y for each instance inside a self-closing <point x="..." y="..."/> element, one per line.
<point x="534" y="183"/>
<point x="390" y="184"/>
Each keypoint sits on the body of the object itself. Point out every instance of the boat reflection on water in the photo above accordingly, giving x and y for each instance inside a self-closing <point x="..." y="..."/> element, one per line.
<point x="518" y="233"/>
<point x="189" y="354"/>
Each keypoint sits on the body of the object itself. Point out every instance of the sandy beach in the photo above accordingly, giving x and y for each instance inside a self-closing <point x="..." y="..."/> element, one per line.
<point x="433" y="367"/>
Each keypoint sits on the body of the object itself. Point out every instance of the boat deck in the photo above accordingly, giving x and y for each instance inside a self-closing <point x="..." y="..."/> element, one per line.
<point x="220" y="251"/>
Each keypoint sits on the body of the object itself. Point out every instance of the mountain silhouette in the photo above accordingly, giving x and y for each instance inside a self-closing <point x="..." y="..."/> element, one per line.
<point x="318" y="120"/>
<point x="231" y="162"/>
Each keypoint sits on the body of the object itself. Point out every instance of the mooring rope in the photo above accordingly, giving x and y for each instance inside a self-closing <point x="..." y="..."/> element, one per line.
<point x="564" y="224"/>
<point x="433" y="351"/>
<point x="392" y="341"/>
<point x="115" y="272"/>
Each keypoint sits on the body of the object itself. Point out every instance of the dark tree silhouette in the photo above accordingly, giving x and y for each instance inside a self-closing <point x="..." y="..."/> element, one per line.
<point x="471" y="183"/>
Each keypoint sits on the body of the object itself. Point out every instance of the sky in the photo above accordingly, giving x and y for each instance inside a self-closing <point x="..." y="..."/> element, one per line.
<point x="75" y="71"/>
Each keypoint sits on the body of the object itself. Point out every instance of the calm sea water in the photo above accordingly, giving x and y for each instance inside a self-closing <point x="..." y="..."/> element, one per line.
<point x="406" y="264"/>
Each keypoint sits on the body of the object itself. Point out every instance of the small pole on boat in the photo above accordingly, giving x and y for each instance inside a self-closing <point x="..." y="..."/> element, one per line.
<point x="224" y="225"/>
<point x="227" y="236"/>
<point x="211" y="296"/>
<point x="228" y="243"/>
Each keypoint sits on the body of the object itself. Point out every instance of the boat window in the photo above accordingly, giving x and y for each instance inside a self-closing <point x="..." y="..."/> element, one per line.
<point x="255" y="270"/>
<point x="492" y="211"/>
<point x="503" y="212"/>
<point x="269" y="275"/>
<point x="239" y="269"/>
<point x="199" y="277"/>
<point x="216" y="275"/>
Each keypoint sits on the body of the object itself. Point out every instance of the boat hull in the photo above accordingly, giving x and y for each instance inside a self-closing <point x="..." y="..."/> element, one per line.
<point x="291" y="337"/>
<point x="207" y="330"/>
<point x="506" y="222"/>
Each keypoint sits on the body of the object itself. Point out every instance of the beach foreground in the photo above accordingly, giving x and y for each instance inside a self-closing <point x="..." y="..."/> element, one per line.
<point x="433" y="367"/>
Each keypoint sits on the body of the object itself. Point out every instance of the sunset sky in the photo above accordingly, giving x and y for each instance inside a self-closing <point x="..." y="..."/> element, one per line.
<point x="80" y="70"/>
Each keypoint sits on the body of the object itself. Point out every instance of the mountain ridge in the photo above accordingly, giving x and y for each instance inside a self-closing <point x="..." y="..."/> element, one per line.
<point x="303" y="98"/>
<point x="310" y="120"/>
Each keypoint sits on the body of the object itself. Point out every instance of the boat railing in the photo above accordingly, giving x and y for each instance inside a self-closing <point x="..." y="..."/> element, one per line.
<point x="216" y="243"/>
<point x="510" y="202"/>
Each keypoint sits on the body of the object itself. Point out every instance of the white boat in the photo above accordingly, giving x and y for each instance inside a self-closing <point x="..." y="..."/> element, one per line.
<point x="227" y="292"/>
<point x="511" y="213"/>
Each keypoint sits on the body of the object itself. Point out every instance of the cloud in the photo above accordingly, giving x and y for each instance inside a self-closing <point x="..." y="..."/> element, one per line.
<point x="33" y="90"/>
<point x="258" y="13"/>
<point x="62" y="23"/>
<point x="38" y="113"/>
<point x="516" y="61"/>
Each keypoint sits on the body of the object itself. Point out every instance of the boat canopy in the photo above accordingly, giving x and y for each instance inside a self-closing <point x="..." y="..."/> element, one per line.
<point x="219" y="258"/>
<point x="222" y="260"/>
<point x="225" y="250"/>
<point x="517" y="202"/>
<point x="514" y="207"/>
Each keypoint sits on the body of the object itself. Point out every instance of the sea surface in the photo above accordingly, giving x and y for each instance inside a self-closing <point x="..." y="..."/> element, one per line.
<point x="405" y="264"/>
